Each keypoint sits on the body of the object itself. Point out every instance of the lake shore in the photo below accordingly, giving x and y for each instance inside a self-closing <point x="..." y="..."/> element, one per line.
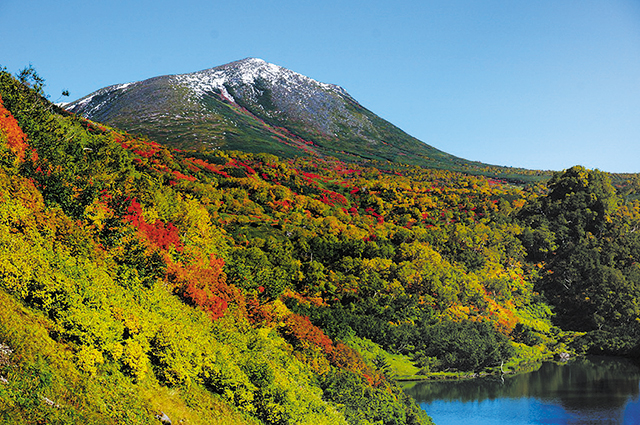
<point x="585" y="389"/>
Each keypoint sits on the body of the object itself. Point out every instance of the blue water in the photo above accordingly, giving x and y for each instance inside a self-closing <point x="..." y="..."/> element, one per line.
<point x="596" y="390"/>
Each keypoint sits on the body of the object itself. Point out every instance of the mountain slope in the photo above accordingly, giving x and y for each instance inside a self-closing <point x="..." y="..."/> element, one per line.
<point x="228" y="287"/>
<point x="124" y="296"/>
<point x="255" y="106"/>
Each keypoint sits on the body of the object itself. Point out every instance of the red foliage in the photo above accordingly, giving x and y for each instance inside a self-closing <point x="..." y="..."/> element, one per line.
<point x="93" y="127"/>
<point x="211" y="303"/>
<point x="283" y="205"/>
<point x="311" y="176"/>
<point x="181" y="176"/>
<point x="379" y="217"/>
<point x="301" y="332"/>
<point x="158" y="233"/>
<point x="144" y="154"/>
<point x="346" y="357"/>
<point x="332" y="198"/>
<point x="204" y="284"/>
<point x="192" y="167"/>
<point x="368" y="378"/>
<point x="248" y="168"/>
<point x="209" y="167"/>
<point x="134" y="213"/>
<point x="139" y="147"/>
<point x="258" y="313"/>
<point x="17" y="140"/>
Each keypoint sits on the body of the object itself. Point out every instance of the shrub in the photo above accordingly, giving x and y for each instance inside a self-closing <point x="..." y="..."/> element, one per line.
<point x="465" y="345"/>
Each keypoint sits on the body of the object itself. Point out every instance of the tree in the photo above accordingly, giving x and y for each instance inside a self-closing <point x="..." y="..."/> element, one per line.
<point x="569" y="228"/>
<point x="465" y="345"/>
<point x="30" y="78"/>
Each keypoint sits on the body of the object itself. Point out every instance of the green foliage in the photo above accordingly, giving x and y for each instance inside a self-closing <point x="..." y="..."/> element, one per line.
<point x="30" y="78"/>
<point x="524" y="334"/>
<point x="586" y="235"/>
<point x="364" y="404"/>
<point x="466" y="346"/>
<point x="88" y="359"/>
<point x="249" y="283"/>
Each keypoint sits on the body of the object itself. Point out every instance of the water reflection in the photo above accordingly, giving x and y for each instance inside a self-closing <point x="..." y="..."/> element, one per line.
<point x="595" y="390"/>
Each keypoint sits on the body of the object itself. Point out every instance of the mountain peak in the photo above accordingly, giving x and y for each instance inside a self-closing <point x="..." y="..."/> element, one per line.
<point x="252" y="62"/>
<point x="254" y="105"/>
<point x="251" y="71"/>
<point x="248" y="68"/>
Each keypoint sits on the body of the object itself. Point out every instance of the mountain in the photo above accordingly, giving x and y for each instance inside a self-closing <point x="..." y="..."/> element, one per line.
<point x="254" y="106"/>
<point x="217" y="287"/>
<point x="126" y="300"/>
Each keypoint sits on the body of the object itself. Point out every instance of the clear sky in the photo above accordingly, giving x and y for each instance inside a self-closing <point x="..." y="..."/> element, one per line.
<point x="534" y="84"/>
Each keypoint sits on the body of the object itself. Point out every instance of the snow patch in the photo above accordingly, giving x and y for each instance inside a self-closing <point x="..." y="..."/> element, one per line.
<point x="81" y="103"/>
<point x="248" y="72"/>
<point x="122" y="86"/>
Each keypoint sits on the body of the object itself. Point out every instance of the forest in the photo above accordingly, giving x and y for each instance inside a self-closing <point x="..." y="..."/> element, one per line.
<point x="229" y="287"/>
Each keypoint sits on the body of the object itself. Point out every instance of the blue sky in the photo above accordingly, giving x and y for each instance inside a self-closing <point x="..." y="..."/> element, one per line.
<point x="534" y="84"/>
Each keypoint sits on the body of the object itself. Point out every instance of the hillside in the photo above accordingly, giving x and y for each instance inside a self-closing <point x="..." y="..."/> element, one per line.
<point x="254" y="106"/>
<point x="232" y="287"/>
<point x="118" y="297"/>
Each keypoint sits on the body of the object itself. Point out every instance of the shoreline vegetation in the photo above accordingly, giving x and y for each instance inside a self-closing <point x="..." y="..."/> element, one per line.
<point x="139" y="281"/>
<point x="403" y="370"/>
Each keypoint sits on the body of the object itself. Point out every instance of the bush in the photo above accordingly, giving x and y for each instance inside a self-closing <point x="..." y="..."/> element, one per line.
<point x="465" y="345"/>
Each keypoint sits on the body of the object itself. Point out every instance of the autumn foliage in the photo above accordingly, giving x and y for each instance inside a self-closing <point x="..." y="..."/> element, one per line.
<point x="221" y="267"/>
<point x="158" y="233"/>
<point x="11" y="131"/>
<point x="203" y="284"/>
<point x="302" y="333"/>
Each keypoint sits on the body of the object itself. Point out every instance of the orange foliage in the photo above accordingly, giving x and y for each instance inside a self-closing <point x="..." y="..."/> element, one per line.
<point x="346" y="357"/>
<point x="258" y="313"/>
<point x="303" y="299"/>
<point x="160" y="234"/>
<point x="204" y="284"/>
<point x="300" y="331"/>
<point x="504" y="318"/>
<point x="9" y="127"/>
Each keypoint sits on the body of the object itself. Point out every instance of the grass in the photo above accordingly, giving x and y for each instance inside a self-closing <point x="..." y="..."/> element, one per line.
<point x="402" y="369"/>
<point x="399" y="366"/>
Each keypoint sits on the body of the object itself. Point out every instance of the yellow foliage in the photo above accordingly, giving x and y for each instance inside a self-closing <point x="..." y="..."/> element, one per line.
<point x="96" y="213"/>
<point x="88" y="359"/>
<point x="135" y="359"/>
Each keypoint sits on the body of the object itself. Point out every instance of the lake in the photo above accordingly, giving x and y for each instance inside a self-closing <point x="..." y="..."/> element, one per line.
<point x="593" y="390"/>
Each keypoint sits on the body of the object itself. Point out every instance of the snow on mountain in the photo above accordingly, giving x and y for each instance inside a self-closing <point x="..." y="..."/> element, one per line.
<point x="256" y="106"/>
<point x="106" y="93"/>
<point x="248" y="72"/>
